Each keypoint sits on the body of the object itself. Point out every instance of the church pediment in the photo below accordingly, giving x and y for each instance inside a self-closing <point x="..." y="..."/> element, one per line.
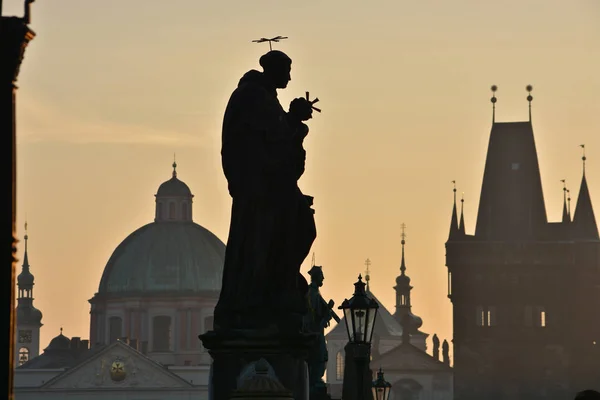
<point x="408" y="357"/>
<point x="117" y="366"/>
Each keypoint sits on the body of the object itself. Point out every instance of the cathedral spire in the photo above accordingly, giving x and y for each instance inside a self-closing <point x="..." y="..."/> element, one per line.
<point x="584" y="220"/>
<point x="454" y="221"/>
<point x="565" y="214"/>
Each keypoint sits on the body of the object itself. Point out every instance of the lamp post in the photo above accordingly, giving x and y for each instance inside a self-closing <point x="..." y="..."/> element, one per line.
<point x="381" y="387"/>
<point x="359" y="314"/>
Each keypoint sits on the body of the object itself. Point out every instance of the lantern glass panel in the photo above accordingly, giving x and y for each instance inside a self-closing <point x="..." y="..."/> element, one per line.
<point x="360" y="324"/>
<point x="371" y="314"/>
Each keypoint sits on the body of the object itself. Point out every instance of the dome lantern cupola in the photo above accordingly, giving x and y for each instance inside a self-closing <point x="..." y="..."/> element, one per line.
<point x="173" y="200"/>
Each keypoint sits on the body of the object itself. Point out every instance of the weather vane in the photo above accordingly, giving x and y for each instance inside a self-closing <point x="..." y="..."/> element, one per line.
<point x="276" y="39"/>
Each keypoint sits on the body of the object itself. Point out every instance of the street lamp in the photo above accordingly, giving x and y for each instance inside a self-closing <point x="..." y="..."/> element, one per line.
<point x="359" y="314"/>
<point x="381" y="387"/>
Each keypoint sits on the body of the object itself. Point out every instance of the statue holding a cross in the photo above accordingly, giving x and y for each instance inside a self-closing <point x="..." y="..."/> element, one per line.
<point x="272" y="224"/>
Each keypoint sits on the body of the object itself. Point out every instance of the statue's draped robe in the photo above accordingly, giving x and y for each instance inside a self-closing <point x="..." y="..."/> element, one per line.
<point x="272" y="225"/>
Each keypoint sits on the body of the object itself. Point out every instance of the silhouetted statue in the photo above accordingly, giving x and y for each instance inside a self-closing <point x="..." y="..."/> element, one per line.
<point x="446" y="352"/>
<point x="272" y="224"/>
<point x="588" y="395"/>
<point x="436" y="347"/>
<point x="315" y="321"/>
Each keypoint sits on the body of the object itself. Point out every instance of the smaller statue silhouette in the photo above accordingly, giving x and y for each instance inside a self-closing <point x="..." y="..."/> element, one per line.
<point x="436" y="347"/>
<point x="446" y="352"/>
<point x="316" y="320"/>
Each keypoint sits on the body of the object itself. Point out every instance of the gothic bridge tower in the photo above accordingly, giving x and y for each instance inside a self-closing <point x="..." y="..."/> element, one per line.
<point x="522" y="288"/>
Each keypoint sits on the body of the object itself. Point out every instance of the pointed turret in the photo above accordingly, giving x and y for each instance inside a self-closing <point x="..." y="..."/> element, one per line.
<point x="461" y="225"/>
<point x="584" y="221"/>
<point x="566" y="218"/>
<point x="454" y="232"/>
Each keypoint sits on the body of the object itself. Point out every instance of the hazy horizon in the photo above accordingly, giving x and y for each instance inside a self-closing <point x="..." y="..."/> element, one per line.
<point x="109" y="91"/>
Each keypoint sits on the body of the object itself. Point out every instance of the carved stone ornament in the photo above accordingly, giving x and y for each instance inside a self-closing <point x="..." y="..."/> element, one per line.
<point x="118" y="371"/>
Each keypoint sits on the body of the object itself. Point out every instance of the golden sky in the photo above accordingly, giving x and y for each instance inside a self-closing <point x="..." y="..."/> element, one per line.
<point x="109" y="90"/>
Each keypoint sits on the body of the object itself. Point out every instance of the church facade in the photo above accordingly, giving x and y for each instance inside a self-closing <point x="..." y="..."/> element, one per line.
<point x="522" y="287"/>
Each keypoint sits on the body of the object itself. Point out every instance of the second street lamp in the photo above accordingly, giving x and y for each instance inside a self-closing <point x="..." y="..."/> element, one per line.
<point x="381" y="387"/>
<point x="359" y="314"/>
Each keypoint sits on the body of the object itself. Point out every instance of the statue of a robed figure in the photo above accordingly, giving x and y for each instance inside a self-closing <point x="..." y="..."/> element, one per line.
<point x="272" y="224"/>
<point x="262" y="303"/>
<point x="316" y="320"/>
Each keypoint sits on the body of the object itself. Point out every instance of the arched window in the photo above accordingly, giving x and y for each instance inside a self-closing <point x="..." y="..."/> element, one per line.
<point x="161" y="329"/>
<point x="339" y="366"/>
<point x="171" y="210"/>
<point x="115" y="329"/>
<point x="184" y="210"/>
<point x="159" y="211"/>
<point x="23" y="355"/>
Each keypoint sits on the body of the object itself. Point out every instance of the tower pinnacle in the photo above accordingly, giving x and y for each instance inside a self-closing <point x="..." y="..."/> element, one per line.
<point x="454" y="221"/>
<point x="494" y="100"/>
<point x="529" y="88"/>
<point x="403" y="242"/>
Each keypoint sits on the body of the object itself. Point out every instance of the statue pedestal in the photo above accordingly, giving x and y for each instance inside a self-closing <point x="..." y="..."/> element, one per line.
<point x="232" y="350"/>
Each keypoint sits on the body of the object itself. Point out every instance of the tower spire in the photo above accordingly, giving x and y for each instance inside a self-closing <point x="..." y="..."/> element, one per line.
<point x="529" y="88"/>
<point x="403" y="242"/>
<point x="569" y="203"/>
<point x="584" y="221"/>
<point x="367" y="272"/>
<point x="174" y="166"/>
<point x="583" y="157"/>
<point x="25" y="256"/>
<point x="410" y="323"/>
<point x="493" y="100"/>
<point x="454" y="221"/>
<point x="461" y="225"/>
<point x="565" y="215"/>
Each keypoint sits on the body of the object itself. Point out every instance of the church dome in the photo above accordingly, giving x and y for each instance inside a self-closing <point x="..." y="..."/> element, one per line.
<point x="166" y="257"/>
<point x="60" y="342"/>
<point x="171" y="255"/>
